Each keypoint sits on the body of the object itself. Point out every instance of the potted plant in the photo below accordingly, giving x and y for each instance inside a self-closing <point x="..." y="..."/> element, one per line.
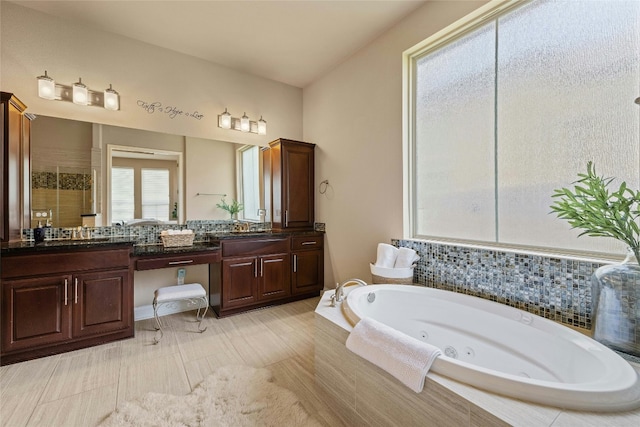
<point x="233" y="208"/>
<point x="615" y="290"/>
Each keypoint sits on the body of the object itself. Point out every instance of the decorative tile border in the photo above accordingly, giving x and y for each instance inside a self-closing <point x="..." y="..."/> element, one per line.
<point x="61" y="181"/>
<point x="556" y="288"/>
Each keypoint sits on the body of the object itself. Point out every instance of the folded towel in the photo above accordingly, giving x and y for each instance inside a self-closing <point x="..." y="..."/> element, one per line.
<point x="406" y="257"/>
<point x="406" y="358"/>
<point x="386" y="255"/>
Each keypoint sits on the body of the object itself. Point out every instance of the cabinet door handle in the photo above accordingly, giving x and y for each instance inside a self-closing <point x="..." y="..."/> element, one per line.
<point x="189" y="261"/>
<point x="66" y="291"/>
<point x="286" y="218"/>
<point x="309" y="243"/>
<point x="255" y="269"/>
<point x="76" y="290"/>
<point x="295" y="263"/>
<point x="261" y="267"/>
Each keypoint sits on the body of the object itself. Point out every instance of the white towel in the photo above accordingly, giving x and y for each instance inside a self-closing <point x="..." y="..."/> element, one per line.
<point x="406" y="257"/>
<point x="387" y="255"/>
<point x="406" y="358"/>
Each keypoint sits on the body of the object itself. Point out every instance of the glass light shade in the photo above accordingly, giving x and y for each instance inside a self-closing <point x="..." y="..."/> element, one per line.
<point x="111" y="99"/>
<point x="80" y="93"/>
<point x="46" y="87"/>
<point x="262" y="126"/>
<point x="245" y="126"/>
<point x="224" y="120"/>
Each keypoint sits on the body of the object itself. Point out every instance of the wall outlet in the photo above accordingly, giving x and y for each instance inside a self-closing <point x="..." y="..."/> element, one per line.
<point x="182" y="272"/>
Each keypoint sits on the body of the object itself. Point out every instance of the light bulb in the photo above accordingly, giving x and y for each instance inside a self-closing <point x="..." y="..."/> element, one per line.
<point x="245" y="126"/>
<point x="46" y="87"/>
<point x="224" y="120"/>
<point x="80" y="93"/>
<point x="262" y="126"/>
<point x="111" y="99"/>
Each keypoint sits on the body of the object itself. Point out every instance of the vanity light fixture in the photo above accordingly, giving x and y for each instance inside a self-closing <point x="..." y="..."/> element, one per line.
<point x="224" y="120"/>
<point x="111" y="99"/>
<point x="243" y="124"/>
<point x="262" y="126"/>
<point x="80" y="93"/>
<point x="46" y="87"/>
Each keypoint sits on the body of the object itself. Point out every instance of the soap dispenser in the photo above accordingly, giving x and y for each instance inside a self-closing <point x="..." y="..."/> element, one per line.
<point x="38" y="233"/>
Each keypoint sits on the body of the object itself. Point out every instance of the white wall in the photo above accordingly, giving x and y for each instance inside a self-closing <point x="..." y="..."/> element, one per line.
<point x="32" y="42"/>
<point x="354" y="114"/>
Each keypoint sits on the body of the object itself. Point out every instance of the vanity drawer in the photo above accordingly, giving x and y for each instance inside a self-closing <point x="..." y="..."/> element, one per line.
<point x="64" y="262"/>
<point x="248" y="247"/>
<point x="182" y="260"/>
<point x="307" y="242"/>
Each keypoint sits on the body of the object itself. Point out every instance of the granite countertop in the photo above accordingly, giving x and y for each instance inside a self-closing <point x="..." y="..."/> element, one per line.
<point x="155" y="250"/>
<point x="64" y="244"/>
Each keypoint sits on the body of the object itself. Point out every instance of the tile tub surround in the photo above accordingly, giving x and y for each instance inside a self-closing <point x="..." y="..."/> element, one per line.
<point x="367" y="395"/>
<point x="552" y="287"/>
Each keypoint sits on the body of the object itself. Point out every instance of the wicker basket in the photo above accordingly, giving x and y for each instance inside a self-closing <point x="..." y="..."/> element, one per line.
<point x="379" y="280"/>
<point x="177" y="240"/>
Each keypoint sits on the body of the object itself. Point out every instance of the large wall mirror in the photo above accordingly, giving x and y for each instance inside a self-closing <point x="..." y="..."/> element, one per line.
<point x="94" y="175"/>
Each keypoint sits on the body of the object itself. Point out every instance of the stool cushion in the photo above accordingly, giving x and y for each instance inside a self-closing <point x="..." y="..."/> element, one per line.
<point x="178" y="292"/>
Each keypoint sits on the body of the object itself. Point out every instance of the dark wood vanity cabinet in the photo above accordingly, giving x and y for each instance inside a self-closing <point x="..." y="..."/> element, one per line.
<point x="289" y="184"/>
<point x="256" y="272"/>
<point x="307" y="258"/>
<point x="61" y="301"/>
<point x="16" y="171"/>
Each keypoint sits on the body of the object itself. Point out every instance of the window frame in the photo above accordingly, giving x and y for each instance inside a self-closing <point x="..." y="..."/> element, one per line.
<point x="410" y="56"/>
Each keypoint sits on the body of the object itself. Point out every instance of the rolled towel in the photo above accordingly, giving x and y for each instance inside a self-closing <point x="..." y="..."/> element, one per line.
<point x="386" y="255"/>
<point x="406" y="358"/>
<point x="406" y="257"/>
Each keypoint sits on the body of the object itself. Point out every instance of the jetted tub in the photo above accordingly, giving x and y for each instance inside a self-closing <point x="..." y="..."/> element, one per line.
<point x="502" y="349"/>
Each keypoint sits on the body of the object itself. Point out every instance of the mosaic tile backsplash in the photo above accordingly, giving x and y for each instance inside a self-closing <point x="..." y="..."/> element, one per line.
<point x="147" y="234"/>
<point x="556" y="288"/>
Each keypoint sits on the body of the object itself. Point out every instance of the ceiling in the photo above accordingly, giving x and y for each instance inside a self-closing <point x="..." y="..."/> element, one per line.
<point x="290" y="41"/>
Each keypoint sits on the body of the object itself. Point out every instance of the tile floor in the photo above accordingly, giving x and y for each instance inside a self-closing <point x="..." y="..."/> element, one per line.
<point x="81" y="388"/>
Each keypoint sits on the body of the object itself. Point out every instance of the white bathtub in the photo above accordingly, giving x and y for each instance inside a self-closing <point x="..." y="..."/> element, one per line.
<point x="502" y="349"/>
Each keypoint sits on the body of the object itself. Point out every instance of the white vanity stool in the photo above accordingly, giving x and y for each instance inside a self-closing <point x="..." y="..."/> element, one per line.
<point x="194" y="293"/>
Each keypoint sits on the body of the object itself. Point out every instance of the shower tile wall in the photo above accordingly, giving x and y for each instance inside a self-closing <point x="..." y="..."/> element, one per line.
<point x="556" y="288"/>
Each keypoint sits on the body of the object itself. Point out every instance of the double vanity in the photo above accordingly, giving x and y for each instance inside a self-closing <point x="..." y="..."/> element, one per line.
<point x="59" y="296"/>
<point x="63" y="295"/>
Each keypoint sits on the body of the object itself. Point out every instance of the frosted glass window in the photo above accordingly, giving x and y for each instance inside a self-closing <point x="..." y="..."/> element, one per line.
<point x="122" y="194"/>
<point x="514" y="109"/>
<point x="155" y="194"/>
<point x="454" y="131"/>
<point x="568" y="74"/>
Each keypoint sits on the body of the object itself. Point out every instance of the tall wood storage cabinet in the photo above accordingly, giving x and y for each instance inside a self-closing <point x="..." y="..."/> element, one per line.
<point x="15" y="190"/>
<point x="289" y="184"/>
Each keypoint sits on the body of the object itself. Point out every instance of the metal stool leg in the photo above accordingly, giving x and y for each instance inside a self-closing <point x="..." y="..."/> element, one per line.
<point x="157" y="339"/>
<point x="200" y="319"/>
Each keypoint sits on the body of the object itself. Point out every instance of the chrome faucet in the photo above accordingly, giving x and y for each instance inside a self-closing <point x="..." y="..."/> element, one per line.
<point x="338" y="296"/>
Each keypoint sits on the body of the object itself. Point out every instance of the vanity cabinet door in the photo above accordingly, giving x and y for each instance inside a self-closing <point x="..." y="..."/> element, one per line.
<point x="35" y="312"/>
<point x="101" y="302"/>
<point x="308" y="271"/>
<point x="273" y="281"/>
<point x="239" y="281"/>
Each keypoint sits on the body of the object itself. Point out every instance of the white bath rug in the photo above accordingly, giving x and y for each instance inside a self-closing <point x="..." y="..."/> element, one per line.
<point x="231" y="396"/>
